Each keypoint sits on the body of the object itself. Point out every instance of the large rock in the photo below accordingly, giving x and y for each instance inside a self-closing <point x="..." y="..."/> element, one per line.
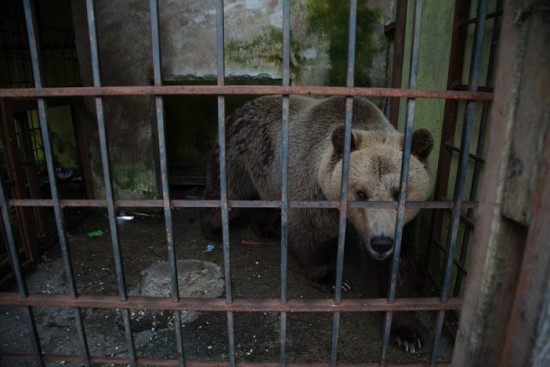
<point x="196" y="278"/>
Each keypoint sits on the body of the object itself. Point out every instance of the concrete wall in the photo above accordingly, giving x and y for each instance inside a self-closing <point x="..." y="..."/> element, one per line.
<point x="253" y="50"/>
<point x="125" y="58"/>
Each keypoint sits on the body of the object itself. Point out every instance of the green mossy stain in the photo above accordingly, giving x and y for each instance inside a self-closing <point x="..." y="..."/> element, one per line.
<point x="129" y="181"/>
<point x="331" y="19"/>
<point x="267" y="48"/>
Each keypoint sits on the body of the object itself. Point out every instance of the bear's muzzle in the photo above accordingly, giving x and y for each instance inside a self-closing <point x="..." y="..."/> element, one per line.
<point x="382" y="247"/>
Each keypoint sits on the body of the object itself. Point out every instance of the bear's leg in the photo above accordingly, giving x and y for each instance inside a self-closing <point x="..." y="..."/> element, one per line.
<point x="266" y="223"/>
<point x="405" y="330"/>
<point x="211" y="217"/>
<point x="239" y="187"/>
<point x="316" y="256"/>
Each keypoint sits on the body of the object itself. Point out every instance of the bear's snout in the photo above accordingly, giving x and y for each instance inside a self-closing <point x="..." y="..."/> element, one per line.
<point x="382" y="246"/>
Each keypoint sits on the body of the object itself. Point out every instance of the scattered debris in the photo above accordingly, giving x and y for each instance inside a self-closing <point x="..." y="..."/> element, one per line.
<point x="248" y="242"/>
<point x="209" y="248"/>
<point x="97" y="233"/>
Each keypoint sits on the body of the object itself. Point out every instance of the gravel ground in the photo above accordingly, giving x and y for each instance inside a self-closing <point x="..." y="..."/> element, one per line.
<point x="256" y="273"/>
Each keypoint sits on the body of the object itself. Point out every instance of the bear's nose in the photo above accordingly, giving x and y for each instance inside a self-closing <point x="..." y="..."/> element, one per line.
<point x="381" y="244"/>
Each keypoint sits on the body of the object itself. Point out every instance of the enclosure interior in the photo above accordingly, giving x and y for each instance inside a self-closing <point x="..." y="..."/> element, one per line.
<point x="88" y="269"/>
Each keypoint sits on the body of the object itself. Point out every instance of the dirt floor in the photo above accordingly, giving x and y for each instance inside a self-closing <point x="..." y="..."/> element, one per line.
<point x="256" y="273"/>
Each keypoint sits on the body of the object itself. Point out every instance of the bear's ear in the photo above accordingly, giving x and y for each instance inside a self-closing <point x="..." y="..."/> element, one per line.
<point x="422" y="143"/>
<point x="338" y="140"/>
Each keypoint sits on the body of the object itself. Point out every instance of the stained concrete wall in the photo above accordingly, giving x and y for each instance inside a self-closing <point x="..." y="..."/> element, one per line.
<point x="253" y="49"/>
<point x="253" y="38"/>
<point x="124" y="44"/>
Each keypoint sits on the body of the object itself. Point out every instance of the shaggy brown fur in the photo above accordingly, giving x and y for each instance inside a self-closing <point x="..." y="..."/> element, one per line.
<point x="253" y="161"/>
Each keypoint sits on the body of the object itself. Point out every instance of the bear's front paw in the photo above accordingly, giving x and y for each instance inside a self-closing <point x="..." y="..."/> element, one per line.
<point x="407" y="338"/>
<point x="330" y="287"/>
<point x="346" y="286"/>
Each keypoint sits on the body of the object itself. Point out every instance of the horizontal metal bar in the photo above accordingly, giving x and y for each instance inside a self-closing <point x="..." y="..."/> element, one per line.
<point x="466" y="87"/>
<point x="172" y="362"/>
<point x="241" y="89"/>
<point x="456" y="262"/>
<point x="474" y="157"/>
<point x="494" y="14"/>
<point x="469" y="222"/>
<point x="389" y="29"/>
<point x="447" y="204"/>
<point x="238" y="305"/>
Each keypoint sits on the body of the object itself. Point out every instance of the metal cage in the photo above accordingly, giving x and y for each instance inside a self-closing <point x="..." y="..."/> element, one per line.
<point x="443" y="303"/>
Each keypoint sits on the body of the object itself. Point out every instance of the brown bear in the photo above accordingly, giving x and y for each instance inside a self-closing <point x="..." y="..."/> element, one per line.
<point x="316" y="131"/>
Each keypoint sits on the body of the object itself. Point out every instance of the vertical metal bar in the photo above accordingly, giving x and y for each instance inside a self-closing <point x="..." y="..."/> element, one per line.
<point x="16" y="264"/>
<point x="71" y="284"/>
<point x="480" y="147"/>
<point x="345" y="178"/>
<point x="163" y="157"/>
<point x="155" y="38"/>
<point x="109" y="195"/>
<point x="284" y="154"/>
<point x="12" y="249"/>
<point x="462" y="171"/>
<point x="397" y="65"/>
<point x="284" y="177"/>
<point x="411" y="104"/>
<point x="129" y="339"/>
<point x="221" y="143"/>
<point x="35" y="339"/>
<point x="223" y="175"/>
<point x="48" y="150"/>
<point x="456" y="65"/>
<point x="81" y="331"/>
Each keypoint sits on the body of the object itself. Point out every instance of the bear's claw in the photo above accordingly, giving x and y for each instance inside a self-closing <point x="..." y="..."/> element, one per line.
<point x="408" y="339"/>
<point x="346" y="286"/>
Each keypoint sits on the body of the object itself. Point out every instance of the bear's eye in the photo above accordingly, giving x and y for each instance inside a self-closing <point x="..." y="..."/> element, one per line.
<point x="395" y="195"/>
<point x="361" y="195"/>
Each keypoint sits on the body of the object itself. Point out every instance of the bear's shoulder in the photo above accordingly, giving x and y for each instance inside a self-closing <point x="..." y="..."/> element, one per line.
<point x="332" y="111"/>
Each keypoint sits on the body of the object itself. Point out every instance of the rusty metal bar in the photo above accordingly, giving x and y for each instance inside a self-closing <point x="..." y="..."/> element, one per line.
<point x="21" y="284"/>
<point x="456" y="66"/>
<point x="446" y="204"/>
<point x="221" y="90"/>
<point x="48" y="155"/>
<point x="171" y="363"/>
<point x="109" y="195"/>
<point x="48" y="149"/>
<point x="29" y="162"/>
<point x="475" y="157"/>
<point x="284" y="179"/>
<point x="162" y="152"/>
<point x="343" y="207"/>
<point x="223" y="175"/>
<point x="398" y="50"/>
<point x="104" y="151"/>
<point x="11" y="246"/>
<point x="238" y="304"/>
<point x="84" y="349"/>
<point x="411" y="104"/>
<point x="462" y="171"/>
<point x="480" y="147"/>
<point x="163" y="161"/>
<point x="495" y="14"/>
<point x="13" y="166"/>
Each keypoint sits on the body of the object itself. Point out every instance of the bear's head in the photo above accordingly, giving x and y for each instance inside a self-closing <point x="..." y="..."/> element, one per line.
<point x="374" y="174"/>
